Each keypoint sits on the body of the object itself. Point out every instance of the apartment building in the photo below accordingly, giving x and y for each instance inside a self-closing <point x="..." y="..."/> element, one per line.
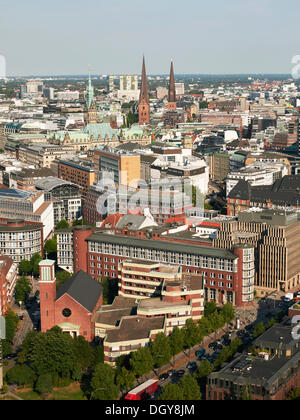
<point x="8" y="279"/>
<point x="256" y="174"/>
<point x="124" y="168"/>
<point x="283" y="193"/>
<point x="28" y="205"/>
<point x="20" y="239"/>
<point x="43" y="154"/>
<point x="136" y="317"/>
<point x="77" y="171"/>
<point x="275" y="235"/>
<point x="228" y="275"/>
<point x="66" y="197"/>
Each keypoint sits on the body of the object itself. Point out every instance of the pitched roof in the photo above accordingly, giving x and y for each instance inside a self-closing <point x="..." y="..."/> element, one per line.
<point x="83" y="289"/>
<point x="284" y="191"/>
<point x="241" y="190"/>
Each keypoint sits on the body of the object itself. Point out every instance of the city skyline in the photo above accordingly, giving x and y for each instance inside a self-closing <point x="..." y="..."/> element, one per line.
<point x="113" y="37"/>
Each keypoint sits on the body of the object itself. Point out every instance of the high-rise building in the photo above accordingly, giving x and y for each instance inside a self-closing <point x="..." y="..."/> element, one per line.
<point x="111" y="81"/>
<point x="129" y="90"/>
<point x="128" y="82"/>
<point x="49" y="93"/>
<point x="179" y="89"/>
<point x="144" y="106"/>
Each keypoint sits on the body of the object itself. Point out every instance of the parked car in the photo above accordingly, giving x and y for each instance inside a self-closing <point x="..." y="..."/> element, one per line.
<point x="163" y="377"/>
<point x="200" y="353"/>
<point x="171" y="372"/>
<point x="191" y="365"/>
<point x="180" y="372"/>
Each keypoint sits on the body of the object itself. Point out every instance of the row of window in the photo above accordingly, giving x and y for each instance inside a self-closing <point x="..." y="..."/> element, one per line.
<point x="162" y="256"/>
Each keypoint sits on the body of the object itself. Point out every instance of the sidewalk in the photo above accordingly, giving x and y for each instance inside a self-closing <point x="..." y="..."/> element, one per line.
<point x="182" y="358"/>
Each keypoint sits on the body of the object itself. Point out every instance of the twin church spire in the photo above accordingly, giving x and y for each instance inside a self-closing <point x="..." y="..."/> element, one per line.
<point x="144" y="104"/>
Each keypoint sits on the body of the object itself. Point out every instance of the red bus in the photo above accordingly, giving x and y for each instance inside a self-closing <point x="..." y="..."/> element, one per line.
<point x="143" y="391"/>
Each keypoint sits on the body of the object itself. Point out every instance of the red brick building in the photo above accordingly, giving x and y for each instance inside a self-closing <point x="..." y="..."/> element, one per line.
<point x="99" y="253"/>
<point x="72" y="306"/>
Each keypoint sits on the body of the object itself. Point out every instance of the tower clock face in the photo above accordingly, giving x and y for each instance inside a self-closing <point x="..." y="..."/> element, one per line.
<point x="67" y="312"/>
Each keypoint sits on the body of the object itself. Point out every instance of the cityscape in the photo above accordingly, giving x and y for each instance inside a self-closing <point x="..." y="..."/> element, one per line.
<point x="149" y="211"/>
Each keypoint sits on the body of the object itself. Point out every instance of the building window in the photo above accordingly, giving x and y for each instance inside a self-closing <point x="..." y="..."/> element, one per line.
<point x="67" y="312"/>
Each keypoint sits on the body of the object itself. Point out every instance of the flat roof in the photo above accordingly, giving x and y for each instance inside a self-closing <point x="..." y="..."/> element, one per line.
<point x="134" y="328"/>
<point x="162" y="245"/>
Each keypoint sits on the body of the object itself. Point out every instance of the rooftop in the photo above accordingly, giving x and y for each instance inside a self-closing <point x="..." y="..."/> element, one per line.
<point x="162" y="245"/>
<point x="134" y="328"/>
<point x="83" y="289"/>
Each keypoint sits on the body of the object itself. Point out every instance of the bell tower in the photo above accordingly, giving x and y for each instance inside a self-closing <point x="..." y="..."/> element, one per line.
<point x="172" y="90"/>
<point x="91" y="113"/>
<point x="47" y="285"/>
<point x="144" y="105"/>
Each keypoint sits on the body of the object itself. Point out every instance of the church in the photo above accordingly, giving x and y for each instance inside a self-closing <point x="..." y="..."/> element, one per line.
<point x="73" y="305"/>
<point x="171" y="115"/>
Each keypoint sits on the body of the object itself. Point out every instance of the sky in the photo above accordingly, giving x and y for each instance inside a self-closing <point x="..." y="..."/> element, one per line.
<point x="64" y="37"/>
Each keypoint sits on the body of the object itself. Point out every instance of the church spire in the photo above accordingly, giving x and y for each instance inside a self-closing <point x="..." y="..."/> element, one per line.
<point x="144" y="88"/>
<point x="172" y="89"/>
<point x="144" y="105"/>
<point x="89" y="93"/>
<point x="91" y="113"/>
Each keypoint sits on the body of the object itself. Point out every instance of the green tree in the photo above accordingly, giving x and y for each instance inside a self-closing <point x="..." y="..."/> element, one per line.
<point x="105" y="285"/>
<point x="125" y="379"/>
<point x="141" y="361"/>
<point x="11" y="322"/>
<point x="161" y="350"/>
<point x="50" y="248"/>
<point x="205" y="327"/>
<point x="131" y="118"/>
<point x="191" y="334"/>
<point x="21" y="375"/>
<point x="190" y="388"/>
<point x="83" y="353"/>
<point x="63" y="224"/>
<point x="98" y="355"/>
<point x="204" y="369"/>
<point x="228" y="312"/>
<point x="110" y="290"/>
<point x="259" y="330"/>
<point x="210" y="308"/>
<point x="58" y="360"/>
<point x="35" y="260"/>
<point x="103" y="384"/>
<point x="177" y="341"/>
<point x="44" y="384"/>
<point x="216" y="320"/>
<point x="22" y="289"/>
<point x="270" y="323"/>
<point x="25" y="267"/>
<point x="171" y="392"/>
<point x="61" y="277"/>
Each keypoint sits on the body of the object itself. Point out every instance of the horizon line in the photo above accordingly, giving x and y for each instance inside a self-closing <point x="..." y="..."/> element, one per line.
<point x="149" y="75"/>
